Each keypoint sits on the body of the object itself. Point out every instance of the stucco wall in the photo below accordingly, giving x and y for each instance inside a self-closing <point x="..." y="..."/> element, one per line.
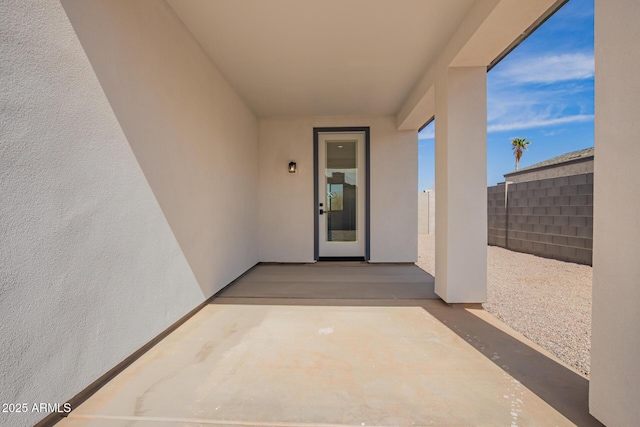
<point x="615" y="338"/>
<point x="194" y="138"/>
<point x="461" y="176"/>
<point x="286" y="200"/>
<point x="118" y="213"/>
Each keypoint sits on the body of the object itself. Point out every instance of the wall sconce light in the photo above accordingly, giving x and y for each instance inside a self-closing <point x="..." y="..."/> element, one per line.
<point x="292" y="167"/>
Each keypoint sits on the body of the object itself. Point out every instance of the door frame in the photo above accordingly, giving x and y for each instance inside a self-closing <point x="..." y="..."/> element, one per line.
<point x="316" y="196"/>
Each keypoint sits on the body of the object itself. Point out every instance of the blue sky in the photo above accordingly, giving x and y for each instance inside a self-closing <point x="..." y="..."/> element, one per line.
<point x="542" y="91"/>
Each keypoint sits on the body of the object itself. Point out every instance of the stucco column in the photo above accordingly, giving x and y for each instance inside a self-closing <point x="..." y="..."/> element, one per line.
<point x="615" y="339"/>
<point x="461" y="185"/>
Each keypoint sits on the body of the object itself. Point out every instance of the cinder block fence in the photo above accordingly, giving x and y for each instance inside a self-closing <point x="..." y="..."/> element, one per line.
<point x="551" y="217"/>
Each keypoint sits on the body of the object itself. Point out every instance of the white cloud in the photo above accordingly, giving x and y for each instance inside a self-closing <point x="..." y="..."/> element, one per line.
<point x="554" y="132"/>
<point x="538" y="123"/>
<point x="518" y="107"/>
<point x="427" y="133"/>
<point x="548" y="69"/>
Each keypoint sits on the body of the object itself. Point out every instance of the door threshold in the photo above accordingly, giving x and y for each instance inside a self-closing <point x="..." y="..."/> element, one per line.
<point x="341" y="258"/>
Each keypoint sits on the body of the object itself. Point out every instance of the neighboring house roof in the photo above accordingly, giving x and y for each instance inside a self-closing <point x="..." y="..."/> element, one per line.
<point x="580" y="155"/>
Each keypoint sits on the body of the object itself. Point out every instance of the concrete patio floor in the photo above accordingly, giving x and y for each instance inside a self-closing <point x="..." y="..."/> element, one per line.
<point x="339" y="345"/>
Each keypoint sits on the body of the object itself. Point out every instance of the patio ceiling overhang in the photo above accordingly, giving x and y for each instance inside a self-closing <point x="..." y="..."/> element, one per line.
<point x="359" y="57"/>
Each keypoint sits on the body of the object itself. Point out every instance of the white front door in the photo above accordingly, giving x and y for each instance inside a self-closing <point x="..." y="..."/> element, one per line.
<point x="341" y="190"/>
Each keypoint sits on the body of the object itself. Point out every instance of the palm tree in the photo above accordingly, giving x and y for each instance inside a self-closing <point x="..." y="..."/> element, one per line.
<point x="519" y="144"/>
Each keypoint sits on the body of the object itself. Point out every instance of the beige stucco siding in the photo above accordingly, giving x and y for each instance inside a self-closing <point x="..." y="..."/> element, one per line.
<point x="615" y="337"/>
<point x="286" y="200"/>
<point x="121" y="205"/>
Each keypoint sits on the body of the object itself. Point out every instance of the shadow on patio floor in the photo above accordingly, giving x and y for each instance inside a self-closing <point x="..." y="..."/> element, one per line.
<point x="339" y="345"/>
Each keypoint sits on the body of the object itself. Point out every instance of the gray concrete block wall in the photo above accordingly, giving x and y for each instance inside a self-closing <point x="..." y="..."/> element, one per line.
<point x="550" y="217"/>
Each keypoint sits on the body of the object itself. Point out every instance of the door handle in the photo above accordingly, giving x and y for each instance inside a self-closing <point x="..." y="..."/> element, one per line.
<point x="322" y="211"/>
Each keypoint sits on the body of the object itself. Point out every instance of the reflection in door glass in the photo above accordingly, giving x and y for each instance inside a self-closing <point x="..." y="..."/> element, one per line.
<point x="341" y="182"/>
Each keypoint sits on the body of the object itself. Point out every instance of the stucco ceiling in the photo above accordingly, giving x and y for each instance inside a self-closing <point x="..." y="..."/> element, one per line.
<point x="329" y="57"/>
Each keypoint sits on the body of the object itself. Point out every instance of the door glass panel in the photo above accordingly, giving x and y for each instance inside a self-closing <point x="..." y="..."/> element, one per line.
<point x="341" y="178"/>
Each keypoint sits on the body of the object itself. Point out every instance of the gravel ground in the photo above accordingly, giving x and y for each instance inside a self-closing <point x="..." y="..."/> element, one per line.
<point x="546" y="300"/>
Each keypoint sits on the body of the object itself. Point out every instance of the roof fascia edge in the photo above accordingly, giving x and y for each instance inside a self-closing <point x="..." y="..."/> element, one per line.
<point x="555" y="165"/>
